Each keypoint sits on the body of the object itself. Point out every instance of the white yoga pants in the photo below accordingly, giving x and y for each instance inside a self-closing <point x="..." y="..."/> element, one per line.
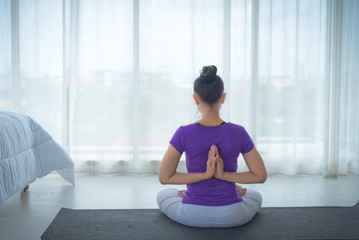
<point x="192" y="215"/>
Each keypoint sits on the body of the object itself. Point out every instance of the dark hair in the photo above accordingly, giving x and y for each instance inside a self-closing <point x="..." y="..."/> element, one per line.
<point x="209" y="86"/>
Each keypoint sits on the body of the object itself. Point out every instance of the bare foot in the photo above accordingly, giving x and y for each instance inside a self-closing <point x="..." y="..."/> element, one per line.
<point x="182" y="193"/>
<point x="241" y="191"/>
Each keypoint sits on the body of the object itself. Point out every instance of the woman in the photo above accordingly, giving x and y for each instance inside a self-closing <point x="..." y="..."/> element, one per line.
<point x="212" y="147"/>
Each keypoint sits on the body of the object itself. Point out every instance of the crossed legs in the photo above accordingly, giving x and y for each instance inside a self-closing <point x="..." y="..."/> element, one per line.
<point x="170" y="203"/>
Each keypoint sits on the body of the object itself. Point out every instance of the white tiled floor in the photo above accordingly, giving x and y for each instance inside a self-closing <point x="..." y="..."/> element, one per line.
<point x="26" y="215"/>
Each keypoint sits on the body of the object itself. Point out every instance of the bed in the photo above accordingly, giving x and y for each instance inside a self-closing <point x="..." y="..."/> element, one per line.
<point x="27" y="152"/>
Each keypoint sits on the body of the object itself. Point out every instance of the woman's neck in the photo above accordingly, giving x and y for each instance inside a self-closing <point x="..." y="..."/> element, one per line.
<point x="210" y="118"/>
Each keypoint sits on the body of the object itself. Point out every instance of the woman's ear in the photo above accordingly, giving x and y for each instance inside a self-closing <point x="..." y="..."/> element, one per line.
<point x="195" y="98"/>
<point x="223" y="98"/>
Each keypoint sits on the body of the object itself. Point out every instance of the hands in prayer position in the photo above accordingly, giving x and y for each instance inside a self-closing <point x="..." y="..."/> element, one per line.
<point x="216" y="160"/>
<point x="215" y="168"/>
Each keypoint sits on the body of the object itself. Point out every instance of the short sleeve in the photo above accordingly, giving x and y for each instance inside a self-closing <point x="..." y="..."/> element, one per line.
<point x="177" y="140"/>
<point x="247" y="143"/>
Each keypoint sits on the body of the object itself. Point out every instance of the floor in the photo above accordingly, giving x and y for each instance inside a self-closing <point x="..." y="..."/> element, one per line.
<point x="26" y="215"/>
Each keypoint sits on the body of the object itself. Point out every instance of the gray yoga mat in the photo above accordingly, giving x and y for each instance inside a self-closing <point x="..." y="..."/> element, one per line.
<point x="269" y="223"/>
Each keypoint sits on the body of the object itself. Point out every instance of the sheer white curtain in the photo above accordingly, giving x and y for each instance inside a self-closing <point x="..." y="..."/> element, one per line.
<point x="276" y="65"/>
<point x="31" y="60"/>
<point x="112" y="80"/>
<point x="348" y="78"/>
<point x="100" y="88"/>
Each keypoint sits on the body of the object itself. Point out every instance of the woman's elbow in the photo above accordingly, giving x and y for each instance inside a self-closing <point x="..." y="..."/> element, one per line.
<point x="162" y="180"/>
<point x="263" y="178"/>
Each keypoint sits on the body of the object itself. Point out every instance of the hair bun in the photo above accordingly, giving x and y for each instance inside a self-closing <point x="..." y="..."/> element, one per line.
<point x="208" y="73"/>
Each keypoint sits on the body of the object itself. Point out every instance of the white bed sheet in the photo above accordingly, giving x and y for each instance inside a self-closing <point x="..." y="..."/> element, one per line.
<point x="27" y="152"/>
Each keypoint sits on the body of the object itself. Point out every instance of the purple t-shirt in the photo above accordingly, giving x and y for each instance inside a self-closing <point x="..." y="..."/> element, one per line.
<point x="195" y="140"/>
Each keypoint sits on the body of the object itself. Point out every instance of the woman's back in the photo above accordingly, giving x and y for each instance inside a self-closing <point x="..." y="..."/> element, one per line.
<point x="195" y="140"/>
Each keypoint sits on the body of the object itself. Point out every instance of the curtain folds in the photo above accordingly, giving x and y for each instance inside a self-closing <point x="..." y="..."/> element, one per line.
<point x="112" y="80"/>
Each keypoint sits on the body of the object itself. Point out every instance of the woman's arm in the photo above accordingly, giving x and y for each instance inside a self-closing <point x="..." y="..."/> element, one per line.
<point x="169" y="175"/>
<point x="257" y="172"/>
